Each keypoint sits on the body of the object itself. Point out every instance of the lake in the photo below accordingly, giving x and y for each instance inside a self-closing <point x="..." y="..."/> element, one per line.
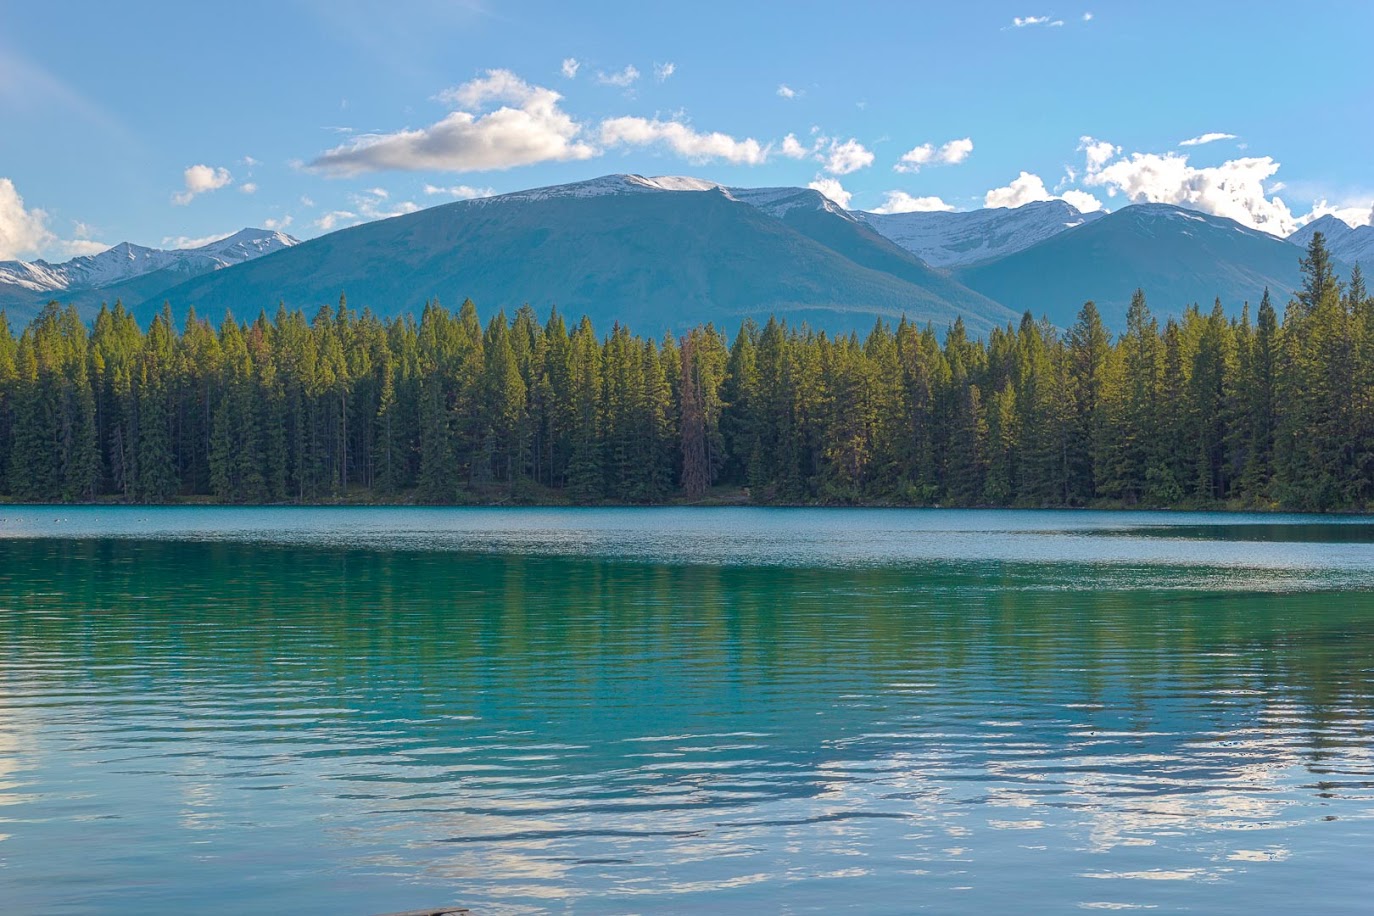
<point x="355" y="711"/>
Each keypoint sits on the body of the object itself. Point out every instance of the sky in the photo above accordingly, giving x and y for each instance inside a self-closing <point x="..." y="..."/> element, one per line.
<point x="171" y="124"/>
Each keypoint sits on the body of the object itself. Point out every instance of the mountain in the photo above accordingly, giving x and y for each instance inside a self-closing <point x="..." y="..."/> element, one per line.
<point x="127" y="271"/>
<point x="1177" y="256"/>
<point x="948" y="239"/>
<point x="656" y="254"/>
<point x="1354" y="245"/>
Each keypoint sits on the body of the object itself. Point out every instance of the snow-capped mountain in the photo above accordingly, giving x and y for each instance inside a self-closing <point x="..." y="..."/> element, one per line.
<point x="1178" y="257"/>
<point x="773" y="201"/>
<point x="1352" y="244"/>
<point x="947" y="239"/>
<point x="656" y="254"/>
<point x="127" y="261"/>
<point x="670" y="252"/>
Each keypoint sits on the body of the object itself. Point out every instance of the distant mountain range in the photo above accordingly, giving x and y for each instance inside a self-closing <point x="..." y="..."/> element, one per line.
<point x="1352" y="245"/>
<point x="957" y="239"/>
<point x="1177" y="256"/>
<point x="656" y="254"/>
<point x="126" y="271"/>
<point x="664" y="254"/>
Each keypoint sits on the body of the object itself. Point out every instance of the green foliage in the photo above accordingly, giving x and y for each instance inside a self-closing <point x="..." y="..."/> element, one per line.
<point x="1203" y="411"/>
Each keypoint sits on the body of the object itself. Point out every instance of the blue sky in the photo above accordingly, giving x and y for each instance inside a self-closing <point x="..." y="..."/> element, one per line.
<point x="161" y="123"/>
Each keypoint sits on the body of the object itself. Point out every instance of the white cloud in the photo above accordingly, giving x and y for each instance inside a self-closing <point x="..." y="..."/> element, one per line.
<point x="277" y="225"/>
<point x="1087" y="17"/>
<point x="76" y="248"/>
<point x="333" y="218"/>
<point x="528" y="128"/>
<point x="622" y="78"/>
<point x="249" y="187"/>
<point x="307" y="201"/>
<point x="1021" y="22"/>
<point x="1354" y="215"/>
<point x="663" y="71"/>
<point x="1082" y="200"/>
<point x="1236" y="189"/>
<point x="182" y="241"/>
<point x="786" y="91"/>
<point x="1025" y="189"/>
<point x="844" y="158"/>
<point x="1097" y="152"/>
<point x="24" y="231"/>
<point x="460" y="191"/>
<point x="683" y="140"/>
<point x="902" y="202"/>
<point x="570" y="65"/>
<point x="1028" y="187"/>
<point x="951" y="153"/>
<point x="369" y="205"/>
<point x="792" y="148"/>
<point x="200" y="179"/>
<point x="250" y="161"/>
<point x="832" y="189"/>
<point x="1206" y="138"/>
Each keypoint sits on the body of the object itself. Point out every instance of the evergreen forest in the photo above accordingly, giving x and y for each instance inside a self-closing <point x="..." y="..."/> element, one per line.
<point x="1262" y="410"/>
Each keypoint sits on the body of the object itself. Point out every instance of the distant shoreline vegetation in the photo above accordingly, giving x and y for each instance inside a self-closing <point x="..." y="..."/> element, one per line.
<point x="1204" y="412"/>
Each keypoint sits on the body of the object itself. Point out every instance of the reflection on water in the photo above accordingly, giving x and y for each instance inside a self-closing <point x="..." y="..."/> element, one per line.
<point x="368" y="710"/>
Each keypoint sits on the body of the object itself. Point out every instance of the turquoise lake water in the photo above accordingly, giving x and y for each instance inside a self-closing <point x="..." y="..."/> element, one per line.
<point x="356" y="711"/>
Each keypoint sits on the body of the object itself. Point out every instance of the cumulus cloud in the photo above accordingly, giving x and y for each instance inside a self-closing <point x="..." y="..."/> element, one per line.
<point x="249" y="187"/>
<point x="1206" y="138"/>
<point x="570" y="65"/>
<point x="902" y="202"/>
<point x="1022" y="190"/>
<point x="460" y="191"/>
<point x="951" y="153"/>
<point x="845" y="158"/>
<point x="277" y="225"/>
<point x="787" y="92"/>
<point x="200" y="179"/>
<point x="528" y="127"/>
<point x="1096" y="152"/>
<point x="832" y="189"/>
<point x="683" y="140"/>
<point x="1021" y="22"/>
<point x="663" y="71"/>
<point x="793" y="149"/>
<point x="1235" y="189"/>
<point x="1028" y="187"/>
<point x="1353" y="215"/>
<point x="24" y="231"/>
<point x="622" y="78"/>
<point x="1082" y="200"/>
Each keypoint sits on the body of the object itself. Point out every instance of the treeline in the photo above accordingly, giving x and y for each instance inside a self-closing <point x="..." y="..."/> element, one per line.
<point x="1200" y="411"/>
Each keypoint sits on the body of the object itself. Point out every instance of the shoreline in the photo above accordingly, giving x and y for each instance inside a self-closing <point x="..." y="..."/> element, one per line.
<point x="716" y="503"/>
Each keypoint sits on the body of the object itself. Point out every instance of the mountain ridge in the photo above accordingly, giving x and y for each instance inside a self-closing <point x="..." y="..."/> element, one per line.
<point x="25" y="286"/>
<point x="960" y="238"/>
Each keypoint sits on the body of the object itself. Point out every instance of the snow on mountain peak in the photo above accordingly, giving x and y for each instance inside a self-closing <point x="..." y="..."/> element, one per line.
<point x="604" y="186"/>
<point x="955" y="239"/>
<point x="1352" y="244"/>
<point x="126" y="261"/>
